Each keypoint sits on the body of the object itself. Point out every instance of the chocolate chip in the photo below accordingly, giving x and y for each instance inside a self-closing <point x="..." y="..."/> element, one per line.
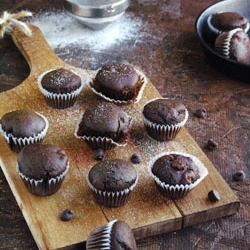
<point x="99" y="155"/>
<point x="178" y="164"/>
<point x="239" y="176"/>
<point x="211" y="144"/>
<point x="66" y="215"/>
<point x="136" y="158"/>
<point x="213" y="195"/>
<point x="201" y="113"/>
<point x="61" y="152"/>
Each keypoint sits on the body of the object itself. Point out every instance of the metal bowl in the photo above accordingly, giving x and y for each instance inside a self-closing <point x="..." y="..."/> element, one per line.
<point x="227" y="66"/>
<point x="96" y="14"/>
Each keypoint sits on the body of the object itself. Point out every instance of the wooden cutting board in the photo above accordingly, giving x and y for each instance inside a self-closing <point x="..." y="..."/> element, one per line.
<point x="147" y="212"/>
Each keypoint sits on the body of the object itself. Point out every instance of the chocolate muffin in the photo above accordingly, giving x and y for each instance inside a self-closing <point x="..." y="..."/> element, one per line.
<point x="42" y="167"/>
<point x="118" y="82"/>
<point x="60" y="87"/>
<point x="163" y="118"/>
<point x="176" y="173"/>
<point x="115" y="235"/>
<point x="104" y="126"/>
<point x="112" y="181"/>
<point x="226" y="21"/>
<point x="234" y="45"/>
<point x="176" y="169"/>
<point x="23" y="127"/>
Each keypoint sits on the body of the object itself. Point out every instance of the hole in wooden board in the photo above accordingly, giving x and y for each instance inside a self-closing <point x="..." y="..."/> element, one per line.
<point x="13" y="67"/>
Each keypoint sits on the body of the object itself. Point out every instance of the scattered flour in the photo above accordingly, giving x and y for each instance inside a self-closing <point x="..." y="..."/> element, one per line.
<point x="61" y="30"/>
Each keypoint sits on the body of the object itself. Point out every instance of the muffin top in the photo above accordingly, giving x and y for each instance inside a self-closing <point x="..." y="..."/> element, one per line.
<point x="164" y="111"/>
<point x="240" y="47"/>
<point x="60" y="81"/>
<point x="227" y="21"/>
<point x="106" y="120"/>
<point x="42" y="161"/>
<point x="112" y="175"/>
<point x="117" y="81"/>
<point x="175" y="169"/>
<point x="22" y="123"/>
<point x="117" y="76"/>
<point x="118" y="233"/>
<point x="234" y="44"/>
<point x="122" y="237"/>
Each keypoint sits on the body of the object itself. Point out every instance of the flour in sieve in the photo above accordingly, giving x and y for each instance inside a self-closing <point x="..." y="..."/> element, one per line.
<point x="61" y="30"/>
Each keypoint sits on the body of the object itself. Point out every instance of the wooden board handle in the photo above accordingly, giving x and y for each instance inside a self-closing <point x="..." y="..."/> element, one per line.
<point x="35" y="48"/>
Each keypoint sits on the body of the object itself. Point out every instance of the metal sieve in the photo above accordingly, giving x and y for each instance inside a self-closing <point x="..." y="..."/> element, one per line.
<point x="96" y="14"/>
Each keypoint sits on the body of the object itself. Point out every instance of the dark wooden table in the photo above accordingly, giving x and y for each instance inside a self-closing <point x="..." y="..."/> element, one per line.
<point x="172" y="58"/>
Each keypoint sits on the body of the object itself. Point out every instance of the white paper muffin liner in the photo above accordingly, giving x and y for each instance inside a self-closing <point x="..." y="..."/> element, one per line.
<point x="223" y="43"/>
<point x="100" y="238"/>
<point x="99" y="142"/>
<point x="59" y="101"/>
<point x="216" y="31"/>
<point x="162" y="132"/>
<point x="112" y="199"/>
<point x="177" y="191"/>
<point x="135" y="99"/>
<point x="17" y="143"/>
<point x="43" y="187"/>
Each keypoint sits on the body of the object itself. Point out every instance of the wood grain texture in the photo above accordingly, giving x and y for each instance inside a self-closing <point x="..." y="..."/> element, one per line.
<point x="147" y="212"/>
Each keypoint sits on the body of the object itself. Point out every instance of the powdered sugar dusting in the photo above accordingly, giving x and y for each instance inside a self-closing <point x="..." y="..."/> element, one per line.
<point x="61" y="77"/>
<point x="60" y="30"/>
